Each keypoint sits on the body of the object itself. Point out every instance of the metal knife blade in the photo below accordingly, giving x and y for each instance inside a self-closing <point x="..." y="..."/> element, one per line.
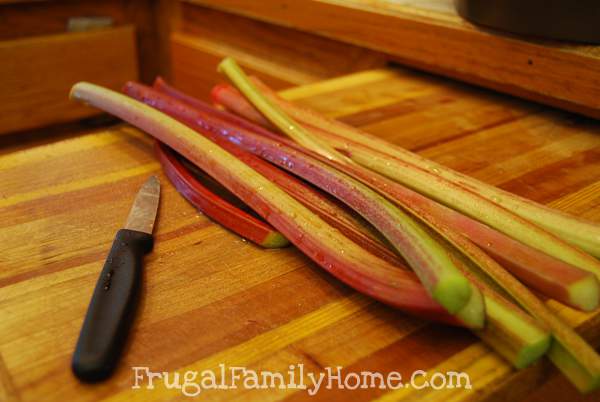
<point x="143" y="212"/>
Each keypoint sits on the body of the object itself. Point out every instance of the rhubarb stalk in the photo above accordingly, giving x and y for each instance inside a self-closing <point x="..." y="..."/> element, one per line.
<point x="274" y="114"/>
<point x="571" y="346"/>
<point x="578" y="232"/>
<point x="429" y="260"/>
<point x="216" y="207"/>
<point x="322" y="243"/>
<point x="513" y="334"/>
<point x="551" y="276"/>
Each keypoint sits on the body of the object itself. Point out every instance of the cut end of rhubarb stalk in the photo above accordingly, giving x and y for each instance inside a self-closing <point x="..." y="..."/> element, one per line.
<point x="533" y="351"/>
<point x="582" y="379"/>
<point x="516" y="336"/>
<point x="453" y="292"/>
<point x="214" y="206"/>
<point x="584" y="293"/>
<point x="275" y="240"/>
<point x="472" y="314"/>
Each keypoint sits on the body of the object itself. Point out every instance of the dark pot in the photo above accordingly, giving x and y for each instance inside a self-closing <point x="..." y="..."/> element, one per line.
<point x="572" y="20"/>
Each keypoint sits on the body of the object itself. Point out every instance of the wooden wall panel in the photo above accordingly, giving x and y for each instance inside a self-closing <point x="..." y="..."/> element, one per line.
<point x="194" y="67"/>
<point x="282" y="56"/>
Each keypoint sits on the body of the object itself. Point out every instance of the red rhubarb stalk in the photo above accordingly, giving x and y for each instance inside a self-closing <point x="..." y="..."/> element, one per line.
<point x="572" y="348"/>
<point x="578" y="232"/>
<point x="216" y="207"/>
<point x="509" y="331"/>
<point x="322" y="243"/>
<point x="407" y="235"/>
<point x="551" y="276"/>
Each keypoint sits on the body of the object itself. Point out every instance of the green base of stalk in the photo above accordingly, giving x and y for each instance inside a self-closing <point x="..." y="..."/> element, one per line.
<point x="275" y="240"/>
<point x="473" y="312"/>
<point x="518" y="340"/>
<point x="452" y="292"/>
<point x="584" y="294"/>
<point x="583" y="380"/>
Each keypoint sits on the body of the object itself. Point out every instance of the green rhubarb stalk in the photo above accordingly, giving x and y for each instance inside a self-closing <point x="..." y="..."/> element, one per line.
<point x="509" y="331"/>
<point x="427" y="179"/>
<point x="237" y="76"/>
<point x="573" y="345"/>
<point x="550" y="276"/>
<point x="578" y="232"/>
<point x="516" y="336"/>
<point x="430" y="262"/>
<point x="513" y="334"/>
<point x="572" y="355"/>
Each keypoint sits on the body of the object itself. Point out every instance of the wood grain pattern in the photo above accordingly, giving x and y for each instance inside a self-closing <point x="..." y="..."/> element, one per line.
<point x="284" y="56"/>
<point x="434" y="38"/>
<point x="153" y="21"/>
<point x="194" y="66"/>
<point x="37" y="73"/>
<point x="211" y="298"/>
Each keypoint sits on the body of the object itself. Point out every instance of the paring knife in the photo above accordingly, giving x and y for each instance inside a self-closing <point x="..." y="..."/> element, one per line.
<point x="115" y="297"/>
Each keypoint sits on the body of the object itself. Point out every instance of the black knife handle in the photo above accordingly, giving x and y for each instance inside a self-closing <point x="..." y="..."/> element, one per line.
<point x="111" y="309"/>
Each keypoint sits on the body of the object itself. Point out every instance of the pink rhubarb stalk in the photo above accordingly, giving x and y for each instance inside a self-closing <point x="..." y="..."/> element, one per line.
<point x="319" y="241"/>
<point x="578" y="232"/>
<point x="551" y="276"/>
<point x="216" y="207"/>
<point x="570" y="353"/>
<point x="516" y="336"/>
<point x="430" y="261"/>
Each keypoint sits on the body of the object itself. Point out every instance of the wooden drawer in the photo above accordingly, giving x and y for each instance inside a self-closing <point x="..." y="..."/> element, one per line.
<point x="37" y="73"/>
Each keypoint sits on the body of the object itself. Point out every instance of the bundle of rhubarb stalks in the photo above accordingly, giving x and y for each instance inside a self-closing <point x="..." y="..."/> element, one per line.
<point x="438" y="244"/>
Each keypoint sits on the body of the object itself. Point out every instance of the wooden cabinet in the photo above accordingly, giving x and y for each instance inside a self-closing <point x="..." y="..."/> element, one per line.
<point x="179" y="40"/>
<point x="41" y="58"/>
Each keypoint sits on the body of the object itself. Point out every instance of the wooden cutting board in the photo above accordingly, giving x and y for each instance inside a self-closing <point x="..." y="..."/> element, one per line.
<point x="211" y="298"/>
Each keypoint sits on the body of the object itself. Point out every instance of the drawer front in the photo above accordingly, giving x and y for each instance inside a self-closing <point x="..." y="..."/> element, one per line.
<point x="37" y="73"/>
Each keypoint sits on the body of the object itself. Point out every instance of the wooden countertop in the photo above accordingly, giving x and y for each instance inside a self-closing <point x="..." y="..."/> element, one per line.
<point x="429" y="35"/>
<point x="211" y="298"/>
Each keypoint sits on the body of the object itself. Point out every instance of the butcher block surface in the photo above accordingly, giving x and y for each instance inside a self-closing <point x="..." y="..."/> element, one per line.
<point x="211" y="298"/>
